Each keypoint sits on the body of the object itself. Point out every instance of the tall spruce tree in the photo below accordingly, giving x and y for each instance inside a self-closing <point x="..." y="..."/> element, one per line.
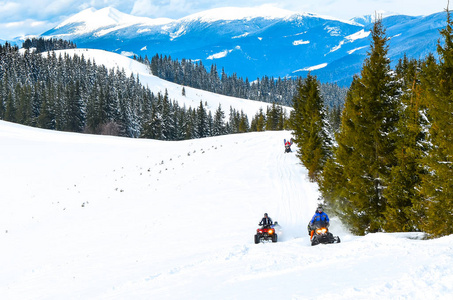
<point x="219" y="122"/>
<point x="202" y="121"/>
<point x="437" y="184"/>
<point x="10" y="110"/>
<point x="168" y="130"/>
<point x="74" y="108"/>
<point x="310" y="127"/>
<point x="259" y="121"/>
<point x="403" y="185"/>
<point x="243" y="123"/>
<point x="365" y="152"/>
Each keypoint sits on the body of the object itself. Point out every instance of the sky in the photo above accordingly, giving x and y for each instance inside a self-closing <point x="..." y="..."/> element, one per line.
<point x="32" y="17"/>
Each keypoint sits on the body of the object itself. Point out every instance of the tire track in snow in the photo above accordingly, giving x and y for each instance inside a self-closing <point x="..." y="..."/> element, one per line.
<point x="298" y="198"/>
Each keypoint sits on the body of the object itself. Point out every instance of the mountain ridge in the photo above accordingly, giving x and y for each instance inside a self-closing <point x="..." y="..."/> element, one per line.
<point x="263" y="43"/>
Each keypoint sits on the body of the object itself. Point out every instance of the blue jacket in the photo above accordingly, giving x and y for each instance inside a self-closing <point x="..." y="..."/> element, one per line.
<point x="320" y="219"/>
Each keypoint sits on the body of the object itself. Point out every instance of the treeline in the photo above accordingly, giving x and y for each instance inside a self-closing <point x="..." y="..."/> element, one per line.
<point x="267" y="89"/>
<point x="69" y="93"/>
<point x="45" y="45"/>
<point x="389" y="167"/>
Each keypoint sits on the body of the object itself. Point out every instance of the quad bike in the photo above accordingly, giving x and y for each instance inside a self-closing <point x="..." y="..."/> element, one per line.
<point x="265" y="234"/>
<point x="288" y="148"/>
<point x="321" y="235"/>
<point x="288" y="145"/>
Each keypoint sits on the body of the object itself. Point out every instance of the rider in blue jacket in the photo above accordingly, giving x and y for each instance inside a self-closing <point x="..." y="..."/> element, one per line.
<point x="320" y="219"/>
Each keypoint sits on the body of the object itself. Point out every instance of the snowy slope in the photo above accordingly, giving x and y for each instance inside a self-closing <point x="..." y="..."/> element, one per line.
<point x="155" y="84"/>
<point x="97" y="217"/>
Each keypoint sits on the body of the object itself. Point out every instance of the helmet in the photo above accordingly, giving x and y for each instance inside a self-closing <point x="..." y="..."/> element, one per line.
<point x="319" y="209"/>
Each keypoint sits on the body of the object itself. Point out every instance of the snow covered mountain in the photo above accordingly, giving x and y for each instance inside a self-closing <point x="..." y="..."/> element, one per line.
<point x="253" y="42"/>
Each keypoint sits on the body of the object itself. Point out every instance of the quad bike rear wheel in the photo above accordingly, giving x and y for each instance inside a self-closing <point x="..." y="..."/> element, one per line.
<point x="257" y="239"/>
<point x="274" y="238"/>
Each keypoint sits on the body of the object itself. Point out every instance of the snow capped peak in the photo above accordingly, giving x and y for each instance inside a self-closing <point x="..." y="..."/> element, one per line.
<point x="92" y="19"/>
<point x="109" y="19"/>
<point x="239" y="13"/>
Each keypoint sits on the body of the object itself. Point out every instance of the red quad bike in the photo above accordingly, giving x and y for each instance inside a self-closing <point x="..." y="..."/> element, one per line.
<point x="321" y="235"/>
<point x="266" y="234"/>
<point x="288" y="145"/>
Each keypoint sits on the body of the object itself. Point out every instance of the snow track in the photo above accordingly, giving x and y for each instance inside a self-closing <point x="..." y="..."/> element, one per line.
<point x="296" y="199"/>
<point x="92" y="217"/>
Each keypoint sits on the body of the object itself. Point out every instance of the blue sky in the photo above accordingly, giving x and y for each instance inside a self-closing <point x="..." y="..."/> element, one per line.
<point x="20" y="17"/>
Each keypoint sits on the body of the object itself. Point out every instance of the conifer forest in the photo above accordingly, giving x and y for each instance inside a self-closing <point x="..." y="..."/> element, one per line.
<point x="389" y="165"/>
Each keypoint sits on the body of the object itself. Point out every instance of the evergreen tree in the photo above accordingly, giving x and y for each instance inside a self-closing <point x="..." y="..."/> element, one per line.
<point x="437" y="185"/>
<point x="153" y="128"/>
<point x="174" y="122"/>
<point x="233" y="121"/>
<point x="24" y="107"/>
<point x="168" y="130"/>
<point x="182" y="121"/>
<point x="259" y="121"/>
<point x="272" y="117"/>
<point x="365" y="152"/>
<point x="334" y="117"/>
<point x="191" y="124"/>
<point x="218" y="123"/>
<point x="310" y="127"/>
<point x="210" y="125"/>
<point x="36" y="102"/>
<point x="10" y="111"/>
<point x="202" y="121"/>
<point x="74" y="110"/>
<point x="46" y="118"/>
<point x="93" y="115"/>
<point x="243" y="123"/>
<point x="403" y="185"/>
<point x="2" y="101"/>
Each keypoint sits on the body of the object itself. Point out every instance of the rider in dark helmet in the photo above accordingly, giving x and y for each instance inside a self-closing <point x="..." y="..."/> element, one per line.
<point x="266" y="221"/>
<point x="319" y="219"/>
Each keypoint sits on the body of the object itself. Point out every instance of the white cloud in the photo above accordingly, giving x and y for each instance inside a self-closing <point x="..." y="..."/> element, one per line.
<point x="162" y="8"/>
<point x="347" y="9"/>
<point x="24" y="27"/>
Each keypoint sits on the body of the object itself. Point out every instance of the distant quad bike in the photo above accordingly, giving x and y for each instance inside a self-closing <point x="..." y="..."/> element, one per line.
<point x="288" y="145"/>
<point x="266" y="233"/>
<point x="321" y="235"/>
<point x="288" y="148"/>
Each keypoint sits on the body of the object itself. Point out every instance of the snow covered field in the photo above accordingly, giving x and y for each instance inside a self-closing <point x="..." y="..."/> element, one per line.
<point x="97" y="217"/>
